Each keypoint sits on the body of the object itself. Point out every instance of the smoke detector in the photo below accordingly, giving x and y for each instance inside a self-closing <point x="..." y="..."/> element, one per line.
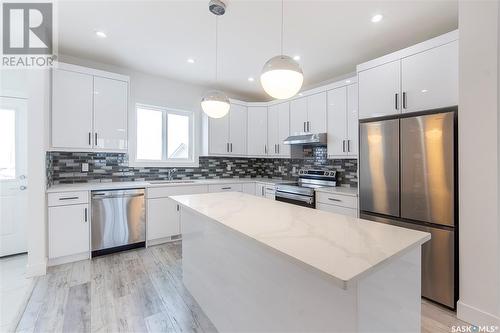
<point x="217" y="7"/>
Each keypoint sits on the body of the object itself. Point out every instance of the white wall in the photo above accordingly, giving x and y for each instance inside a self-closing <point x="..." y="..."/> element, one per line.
<point x="479" y="163"/>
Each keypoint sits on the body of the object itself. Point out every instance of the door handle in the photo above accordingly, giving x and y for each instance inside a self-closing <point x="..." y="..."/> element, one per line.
<point x="404" y="99"/>
<point x="85" y="213"/>
<point x="396" y="101"/>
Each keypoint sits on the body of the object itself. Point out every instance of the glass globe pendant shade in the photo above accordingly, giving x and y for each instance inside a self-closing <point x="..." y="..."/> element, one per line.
<point x="281" y="77"/>
<point x="215" y="104"/>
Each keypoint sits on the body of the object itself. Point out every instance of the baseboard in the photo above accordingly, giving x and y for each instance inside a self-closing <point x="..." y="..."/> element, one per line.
<point x="68" y="259"/>
<point x="159" y="241"/>
<point x="475" y="316"/>
<point x="37" y="269"/>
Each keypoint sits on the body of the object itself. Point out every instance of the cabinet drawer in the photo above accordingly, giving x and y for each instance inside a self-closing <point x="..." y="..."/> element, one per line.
<point x="163" y="192"/>
<point x="337" y="200"/>
<point x="225" y="188"/>
<point x="68" y="198"/>
<point x="337" y="209"/>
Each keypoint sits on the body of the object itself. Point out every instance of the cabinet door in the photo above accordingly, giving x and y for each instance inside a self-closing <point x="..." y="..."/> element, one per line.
<point x="69" y="231"/>
<point x="110" y="113"/>
<point x="430" y="79"/>
<point x="238" y="130"/>
<point x="337" y="121"/>
<point x="71" y="110"/>
<point x="163" y="218"/>
<point x="249" y="188"/>
<point x="257" y="131"/>
<point x="284" y="129"/>
<point x="260" y="190"/>
<point x="298" y="115"/>
<point x="219" y="135"/>
<point x="379" y="90"/>
<point x="273" y="129"/>
<point x="316" y="113"/>
<point x="352" y="120"/>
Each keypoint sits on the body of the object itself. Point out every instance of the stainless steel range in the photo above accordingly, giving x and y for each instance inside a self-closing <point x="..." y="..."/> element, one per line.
<point x="302" y="192"/>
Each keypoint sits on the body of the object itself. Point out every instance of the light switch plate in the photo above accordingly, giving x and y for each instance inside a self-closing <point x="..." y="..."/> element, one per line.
<point x="85" y="167"/>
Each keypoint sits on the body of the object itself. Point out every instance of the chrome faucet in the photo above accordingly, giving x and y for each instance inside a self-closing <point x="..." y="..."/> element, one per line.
<point x="170" y="173"/>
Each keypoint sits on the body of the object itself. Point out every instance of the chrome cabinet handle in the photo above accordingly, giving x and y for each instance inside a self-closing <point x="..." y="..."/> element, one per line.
<point x="96" y="139"/>
<point x="278" y="148"/>
<point x="178" y="208"/>
<point x="304" y="126"/>
<point x="333" y="199"/>
<point x="85" y="213"/>
<point x="231" y="145"/>
<point x="68" y="198"/>
<point x="343" y="146"/>
<point x="396" y="101"/>
<point x="90" y="139"/>
<point x="227" y="147"/>
<point x="225" y="188"/>
<point x="265" y="149"/>
<point x="348" y="146"/>
<point x="404" y="99"/>
<point x="308" y="126"/>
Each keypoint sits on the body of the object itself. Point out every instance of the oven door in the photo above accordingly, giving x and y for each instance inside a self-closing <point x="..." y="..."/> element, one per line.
<point x="295" y="199"/>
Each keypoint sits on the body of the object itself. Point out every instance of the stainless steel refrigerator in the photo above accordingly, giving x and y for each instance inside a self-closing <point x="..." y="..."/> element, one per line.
<point x="407" y="178"/>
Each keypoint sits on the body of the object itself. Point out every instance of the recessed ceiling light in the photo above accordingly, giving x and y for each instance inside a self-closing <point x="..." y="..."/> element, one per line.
<point x="424" y="90"/>
<point x="251" y="79"/>
<point x="347" y="81"/>
<point x="377" y="18"/>
<point x="190" y="60"/>
<point x="101" y="34"/>
<point x="296" y="58"/>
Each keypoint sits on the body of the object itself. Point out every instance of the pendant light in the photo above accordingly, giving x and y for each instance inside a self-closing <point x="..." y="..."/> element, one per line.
<point x="215" y="103"/>
<point x="281" y="76"/>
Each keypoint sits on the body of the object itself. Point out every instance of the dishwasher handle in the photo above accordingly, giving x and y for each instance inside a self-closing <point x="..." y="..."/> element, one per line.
<point x="99" y="196"/>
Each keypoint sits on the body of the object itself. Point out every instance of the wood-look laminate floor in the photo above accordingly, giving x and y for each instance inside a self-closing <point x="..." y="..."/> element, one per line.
<point x="137" y="291"/>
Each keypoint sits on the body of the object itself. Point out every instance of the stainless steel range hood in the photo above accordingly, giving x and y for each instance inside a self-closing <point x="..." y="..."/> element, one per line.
<point x="306" y="139"/>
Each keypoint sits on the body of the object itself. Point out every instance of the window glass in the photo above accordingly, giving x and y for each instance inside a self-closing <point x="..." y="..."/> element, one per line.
<point x="149" y="134"/>
<point x="178" y="136"/>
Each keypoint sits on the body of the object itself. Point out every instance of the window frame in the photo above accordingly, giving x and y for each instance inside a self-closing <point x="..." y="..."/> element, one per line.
<point x="191" y="161"/>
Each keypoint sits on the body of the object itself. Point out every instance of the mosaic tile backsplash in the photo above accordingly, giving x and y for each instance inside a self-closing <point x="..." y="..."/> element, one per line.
<point x="65" y="168"/>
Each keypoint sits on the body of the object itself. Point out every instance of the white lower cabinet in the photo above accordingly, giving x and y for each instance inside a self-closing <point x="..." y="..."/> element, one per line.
<point x="265" y="190"/>
<point x="337" y="203"/>
<point x="249" y="188"/>
<point x="270" y="192"/>
<point x="163" y="219"/>
<point x="69" y="231"/>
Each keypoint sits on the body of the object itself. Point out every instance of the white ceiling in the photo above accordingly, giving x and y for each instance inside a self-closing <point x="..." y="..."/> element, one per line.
<point x="331" y="37"/>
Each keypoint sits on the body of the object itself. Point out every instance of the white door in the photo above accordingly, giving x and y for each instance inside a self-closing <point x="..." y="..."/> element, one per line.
<point x="71" y="110"/>
<point x="69" y="231"/>
<point x="430" y="79"/>
<point x="284" y="128"/>
<point x="298" y="115"/>
<point x="316" y="113"/>
<point x="238" y="130"/>
<point x="110" y="113"/>
<point x="13" y="175"/>
<point x="337" y="122"/>
<point x="219" y="135"/>
<point x="257" y="131"/>
<point x="273" y="129"/>
<point x="163" y="218"/>
<point x="352" y="120"/>
<point x="379" y="90"/>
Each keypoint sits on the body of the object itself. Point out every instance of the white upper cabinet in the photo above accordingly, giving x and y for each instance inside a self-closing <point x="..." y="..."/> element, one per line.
<point x="227" y="135"/>
<point x="379" y="90"/>
<point x="71" y="110"/>
<point x="257" y="131"/>
<point x="316" y="113"/>
<point x="430" y="79"/>
<point x="352" y="120"/>
<point x="110" y="114"/>
<point x="219" y="135"/>
<point x="337" y="121"/>
<point x="278" y="129"/>
<point x="238" y="130"/>
<point x="298" y="115"/>
<point x="89" y="109"/>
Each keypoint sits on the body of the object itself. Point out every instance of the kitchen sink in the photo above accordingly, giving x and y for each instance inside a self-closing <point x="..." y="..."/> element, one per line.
<point x="171" y="181"/>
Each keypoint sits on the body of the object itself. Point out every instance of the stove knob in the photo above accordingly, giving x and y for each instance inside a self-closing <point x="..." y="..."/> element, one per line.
<point x="326" y="173"/>
<point x="332" y="174"/>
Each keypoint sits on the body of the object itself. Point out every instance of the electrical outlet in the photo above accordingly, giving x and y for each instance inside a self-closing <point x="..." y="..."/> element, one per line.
<point x="294" y="170"/>
<point x="85" y="167"/>
<point x="228" y="167"/>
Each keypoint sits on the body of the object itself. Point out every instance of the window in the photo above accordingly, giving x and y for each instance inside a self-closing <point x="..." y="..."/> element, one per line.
<point x="164" y="136"/>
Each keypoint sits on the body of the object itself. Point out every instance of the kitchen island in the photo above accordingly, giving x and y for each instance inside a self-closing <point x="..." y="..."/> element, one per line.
<point x="261" y="265"/>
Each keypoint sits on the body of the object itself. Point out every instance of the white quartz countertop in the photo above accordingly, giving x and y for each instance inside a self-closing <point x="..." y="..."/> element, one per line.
<point x="342" y="247"/>
<point x="148" y="184"/>
<point x="351" y="191"/>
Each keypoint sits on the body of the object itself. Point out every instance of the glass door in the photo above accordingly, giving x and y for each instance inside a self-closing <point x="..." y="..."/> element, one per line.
<point x="13" y="175"/>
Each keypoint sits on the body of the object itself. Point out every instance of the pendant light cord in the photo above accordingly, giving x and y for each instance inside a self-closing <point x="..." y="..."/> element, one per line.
<point x="282" y="25"/>
<point x="216" y="47"/>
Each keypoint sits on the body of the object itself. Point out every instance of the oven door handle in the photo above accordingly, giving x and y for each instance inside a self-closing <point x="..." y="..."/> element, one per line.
<point x="297" y="197"/>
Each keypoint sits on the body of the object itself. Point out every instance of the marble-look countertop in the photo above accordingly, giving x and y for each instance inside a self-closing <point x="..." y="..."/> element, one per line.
<point x="343" y="247"/>
<point x="351" y="191"/>
<point x="148" y="184"/>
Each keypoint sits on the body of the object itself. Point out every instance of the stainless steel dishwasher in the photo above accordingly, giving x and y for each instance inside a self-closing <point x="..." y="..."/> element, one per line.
<point x="118" y="220"/>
